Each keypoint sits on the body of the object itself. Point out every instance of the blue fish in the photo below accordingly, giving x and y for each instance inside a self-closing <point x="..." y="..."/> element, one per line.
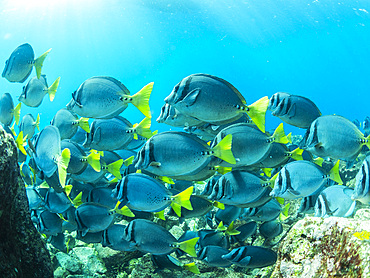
<point x="20" y="63"/>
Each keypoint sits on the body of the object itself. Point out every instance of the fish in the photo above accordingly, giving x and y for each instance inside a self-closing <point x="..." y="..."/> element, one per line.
<point x="251" y="257"/>
<point x="303" y="178"/>
<point x="335" y="201"/>
<point x="105" y="97"/>
<point x="35" y="90"/>
<point x="242" y="189"/>
<point x="271" y="229"/>
<point x="90" y="237"/>
<point x="144" y="193"/>
<point x="323" y="139"/>
<point x="68" y="123"/>
<point x="93" y="217"/>
<point x="35" y="200"/>
<point x="149" y="237"/>
<point x="294" y="110"/>
<point x="361" y="191"/>
<point x="116" y="133"/>
<point x="114" y="239"/>
<point x="79" y="159"/>
<point x="20" y="63"/>
<point x="7" y="110"/>
<point x="246" y="230"/>
<point x="28" y="125"/>
<point x="212" y="256"/>
<point x="160" y="154"/>
<point x="48" y="154"/>
<point x="214" y="100"/>
<point x="169" y="262"/>
<point x="57" y="202"/>
<point x="103" y="196"/>
<point x="213" y="238"/>
<point x="250" y="145"/>
<point x="366" y="126"/>
<point x="47" y="222"/>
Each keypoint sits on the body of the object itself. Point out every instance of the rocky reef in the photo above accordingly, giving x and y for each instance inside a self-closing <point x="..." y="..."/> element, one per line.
<point x="22" y="251"/>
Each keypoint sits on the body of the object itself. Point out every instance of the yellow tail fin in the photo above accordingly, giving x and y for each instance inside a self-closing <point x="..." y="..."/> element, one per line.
<point x="223" y="149"/>
<point x="188" y="246"/>
<point x="160" y="215"/>
<point x="20" y="142"/>
<point x="37" y="122"/>
<point x="279" y="135"/>
<point x="284" y="214"/>
<point x="267" y="171"/>
<point x="218" y="205"/>
<point x="183" y="198"/>
<point x="68" y="189"/>
<point x="39" y="62"/>
<point x="63" y="162"/>
<point x="123" y="211"/>
<point x="84" y="124"/>
<point x="143" y="128"/>
<point x="297" y="154"/>
<point x="94" y="160"/>
<point x="192" y="267"/>
<point x="289" y="136"/>
<point x="13" y="130"/>
<point x="231" y="231"/>
<point x="334" y="173"/>
<point x="114" y="168"/>
<point x="319" y="161"/>
<point x="53" y="89"/>
<point x="176" y="208"/>
<point x="77" y="201"/>
<point x="17" y="112"/>
<point x="128" y="161"/>
<point x="141" y="99"/>
<point x="280" y="200"/>
<point x="257" y="112"/>
<point x="367" y="141"/>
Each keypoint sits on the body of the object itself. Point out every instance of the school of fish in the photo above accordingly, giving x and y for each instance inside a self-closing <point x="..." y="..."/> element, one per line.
<point x="91" y="167"/>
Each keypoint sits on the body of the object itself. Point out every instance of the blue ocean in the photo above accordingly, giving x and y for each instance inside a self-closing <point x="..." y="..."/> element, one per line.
<point x="317" y="49"/>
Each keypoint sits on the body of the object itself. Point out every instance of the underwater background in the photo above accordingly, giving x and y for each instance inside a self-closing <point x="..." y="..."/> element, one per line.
<point x="316" y="49"/>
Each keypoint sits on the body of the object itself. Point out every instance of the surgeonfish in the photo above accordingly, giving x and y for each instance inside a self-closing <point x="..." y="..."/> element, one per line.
<point x="48" y="154"/>
<point x="335" y="201"/>
<point x="68" y="122"/>
<point x="251" y="256"/>
<point x="144" y="193"/>
<point x="47" y="222"/>
<point x="105" y="97"/>
<point x="335" y="137"/>
<point x="242" y="189"/>
<point x="149" y="237"/>
<point x="7" y="110"/>
<point x="57" y="202"/>
<point x="79" y="159"/>
<point x="303" y="178"/>
<point x="116" y="133"/>
<point x="246" y="230"/>
<point x="20" y="63"/>
<point x="35" y="90"/>
<point x="366" y="126"/>
<point x="271" y="229"/>
<point x="250" y="145"/>
<point x="212" y="256"/>
<point x="294" y="110"/>
<point x="28" y="125"/>
<point x="361" y="191"/>
<point x="214" y="100"/>
<point x="178" y="153"/>
<point x="93" y="217"/>
<point x="269" y="211"/>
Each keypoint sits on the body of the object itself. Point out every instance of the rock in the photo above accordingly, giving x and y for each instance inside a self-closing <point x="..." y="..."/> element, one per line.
<point x="89" y="258"/>
<point x="317" y="247"/>
<point x="22" y="251"/>
<point x="67" y="262"/>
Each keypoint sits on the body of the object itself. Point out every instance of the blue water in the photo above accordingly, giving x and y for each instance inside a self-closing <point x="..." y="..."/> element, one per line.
<point x="317" y="49"/>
